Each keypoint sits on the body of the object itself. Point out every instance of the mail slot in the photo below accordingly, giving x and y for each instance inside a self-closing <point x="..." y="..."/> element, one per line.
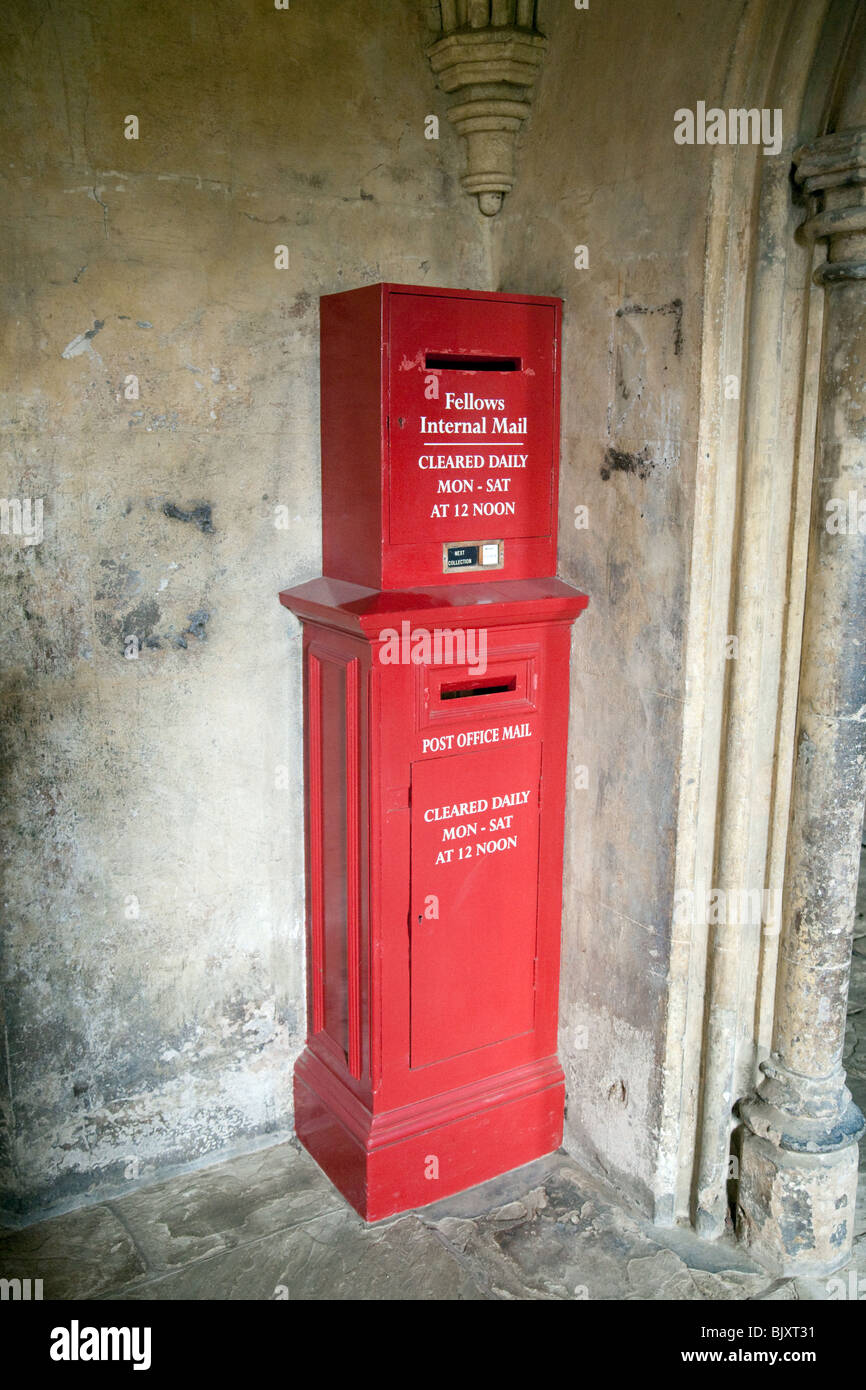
<point x="440" y="425"/>
<point x="435" y="727"/>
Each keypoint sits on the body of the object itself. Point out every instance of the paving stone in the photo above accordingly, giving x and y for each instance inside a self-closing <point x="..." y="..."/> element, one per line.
<point x="332" y="1257"/>
<point x="661" y="1276"/>
<point x="198" y="1214"/>
<point x="554" y="1242"/>
<point x="733" y="1284"/>
<point x="783" y="1291"/>
<point x="79" y="1255"/>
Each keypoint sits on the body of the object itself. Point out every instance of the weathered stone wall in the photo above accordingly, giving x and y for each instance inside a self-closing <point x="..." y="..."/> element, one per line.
<point x="153" y="900"/>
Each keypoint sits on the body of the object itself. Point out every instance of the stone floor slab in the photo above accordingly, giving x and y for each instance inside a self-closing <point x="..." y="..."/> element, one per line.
<point x="82" y="1254"/>
<point x="197" y="1214"/>
<point x="333" y="1257"/>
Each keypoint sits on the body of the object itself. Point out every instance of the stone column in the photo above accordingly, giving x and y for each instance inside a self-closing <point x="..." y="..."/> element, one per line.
<point x="798" y="1174"/>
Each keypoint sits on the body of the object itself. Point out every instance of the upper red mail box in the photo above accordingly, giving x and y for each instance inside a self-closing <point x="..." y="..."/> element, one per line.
<point x="440" y="435"/>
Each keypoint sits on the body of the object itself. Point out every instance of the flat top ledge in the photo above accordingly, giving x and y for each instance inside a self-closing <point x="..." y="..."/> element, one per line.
<point x="356" y="608"/>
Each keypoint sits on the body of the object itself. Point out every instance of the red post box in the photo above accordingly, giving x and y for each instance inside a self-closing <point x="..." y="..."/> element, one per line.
<point x="435" y="742"/>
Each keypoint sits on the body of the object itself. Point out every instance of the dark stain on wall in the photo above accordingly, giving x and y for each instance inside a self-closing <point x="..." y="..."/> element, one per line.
<point x="675" y="307"/>
<point x="615" y="461"/>
<point x="197" y="628"/>
<point x="200" y="514"/>
<point x="139" y="622"/>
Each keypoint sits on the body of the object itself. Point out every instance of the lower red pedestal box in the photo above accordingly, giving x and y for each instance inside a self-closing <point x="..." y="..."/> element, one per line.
<point x="435" y="747"/>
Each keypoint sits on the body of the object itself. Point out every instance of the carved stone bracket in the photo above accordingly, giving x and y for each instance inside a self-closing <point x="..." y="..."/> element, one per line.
<point x="489" y="55"/>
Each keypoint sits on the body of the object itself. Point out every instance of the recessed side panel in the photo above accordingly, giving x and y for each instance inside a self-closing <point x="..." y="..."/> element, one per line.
<point x="471" y="422"/>
<point x="333" y="966"/>
<point x="352" y="425"/>
<point x="474" y="899"/>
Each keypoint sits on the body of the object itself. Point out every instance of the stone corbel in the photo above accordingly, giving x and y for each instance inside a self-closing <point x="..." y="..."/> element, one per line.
<point x="489" y="56"/>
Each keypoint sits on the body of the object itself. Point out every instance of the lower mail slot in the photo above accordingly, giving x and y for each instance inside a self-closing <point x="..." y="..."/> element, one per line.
<point x="480" y="685"/>
<point x="505" y="683"/>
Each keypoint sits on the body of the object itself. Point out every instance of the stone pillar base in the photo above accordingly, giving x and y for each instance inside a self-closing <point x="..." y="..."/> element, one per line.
<point x="795" y="1211"/>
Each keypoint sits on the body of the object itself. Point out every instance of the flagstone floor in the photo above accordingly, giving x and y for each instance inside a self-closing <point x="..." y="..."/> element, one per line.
<point x="269" y="1225"/>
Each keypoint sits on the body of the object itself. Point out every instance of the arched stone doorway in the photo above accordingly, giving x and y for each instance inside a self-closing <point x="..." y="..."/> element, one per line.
<point x="755" y="574"/>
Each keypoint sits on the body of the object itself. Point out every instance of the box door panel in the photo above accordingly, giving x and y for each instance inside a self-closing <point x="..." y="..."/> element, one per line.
<point x="471" y="410"/>
<point x="474" y="899"/>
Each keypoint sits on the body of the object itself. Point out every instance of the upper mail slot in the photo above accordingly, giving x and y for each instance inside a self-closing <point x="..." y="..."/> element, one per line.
<point x="440" y="426"/>
<point x="458" y="362"/>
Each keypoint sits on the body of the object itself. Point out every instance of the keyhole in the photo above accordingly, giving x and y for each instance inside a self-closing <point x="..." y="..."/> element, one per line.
<point x="400" y="421"/>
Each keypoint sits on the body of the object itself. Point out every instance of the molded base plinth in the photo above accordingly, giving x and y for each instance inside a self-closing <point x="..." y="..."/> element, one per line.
<point x="388" y="1163"/>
